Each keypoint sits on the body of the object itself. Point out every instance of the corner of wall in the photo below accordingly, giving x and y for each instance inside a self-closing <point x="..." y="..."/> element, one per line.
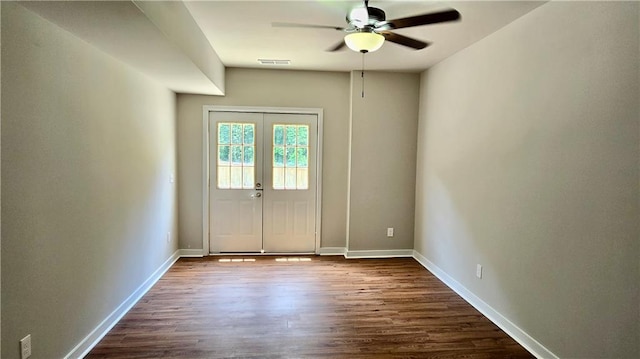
<point x="0" y="180"/>
<point x="176" y="22"/>
<point x="638" y="27"/>
<point x="349" y="143"/>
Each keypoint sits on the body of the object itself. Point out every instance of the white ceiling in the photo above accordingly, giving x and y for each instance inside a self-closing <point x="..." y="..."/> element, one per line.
<point x="144" y="34"/>
<point x="241" y="32"/>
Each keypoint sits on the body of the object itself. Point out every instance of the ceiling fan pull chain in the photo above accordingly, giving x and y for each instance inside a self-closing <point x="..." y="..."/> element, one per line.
<point x="362" y="74"/>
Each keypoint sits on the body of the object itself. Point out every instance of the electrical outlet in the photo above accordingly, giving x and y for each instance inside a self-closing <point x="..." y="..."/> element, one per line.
<point x="168" y="237"/>
<point x="390" y="232"/>
<point x="479" y="271"/>
<point x="25" y="347"/>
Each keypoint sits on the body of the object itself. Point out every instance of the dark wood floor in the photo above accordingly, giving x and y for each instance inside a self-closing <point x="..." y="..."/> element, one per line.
<point x="328" y="307"/>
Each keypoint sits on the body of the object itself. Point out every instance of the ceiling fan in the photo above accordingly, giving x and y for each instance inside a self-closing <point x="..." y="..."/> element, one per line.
<point x="367" y="28"/>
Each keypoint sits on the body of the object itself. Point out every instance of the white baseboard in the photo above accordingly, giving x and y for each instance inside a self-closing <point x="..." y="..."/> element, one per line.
<point x="190" y="253"/>
<point x="498" y="319"/>
<point x="91" y="340"/>
<point x="332" y="251"/>
<point x="383" y="253"/>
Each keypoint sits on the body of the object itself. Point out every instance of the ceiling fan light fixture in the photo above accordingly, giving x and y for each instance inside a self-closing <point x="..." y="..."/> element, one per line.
<point x="363" y="41"/>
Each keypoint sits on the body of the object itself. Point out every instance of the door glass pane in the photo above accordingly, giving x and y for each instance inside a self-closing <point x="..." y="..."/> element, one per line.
<point x="290" y="178"/>
<point x="223" y="155"/>
<point x="291" y="151"/>
<point x="223" y="177"/>
<point x="224" y="134"/>
<point x="303" y="135"/>
<point x="301" y="155"/>
<point x="278" y="178"/>
<point x="302" y="180"/>
<point x="278" y="156"/>
<point x="236" y="156"/>
<point x="247" y="177"/>
<point x="249" y="156"/>
<point x="236" y="177"/>
<point x="291" y="157"/>
<point x="236" y="133"/>
<point x="291" y="135"/>
<point x="248" y="134"/>
<point x="278" y="135"/>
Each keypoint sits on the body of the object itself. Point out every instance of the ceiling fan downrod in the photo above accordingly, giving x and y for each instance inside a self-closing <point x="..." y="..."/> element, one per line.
<point x="362" y="74"/>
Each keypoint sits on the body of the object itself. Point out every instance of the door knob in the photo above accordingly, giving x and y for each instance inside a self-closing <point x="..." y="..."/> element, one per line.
<point x="256" y="195"/>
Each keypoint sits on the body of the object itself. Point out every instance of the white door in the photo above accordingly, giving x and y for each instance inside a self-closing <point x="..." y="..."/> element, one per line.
<point x="263" y="182"/>
<point x="289" y="203"/>
<point x="235" y="214"/>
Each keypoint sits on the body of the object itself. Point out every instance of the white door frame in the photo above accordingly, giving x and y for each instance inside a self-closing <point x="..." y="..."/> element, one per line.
<point x="205" y="161"/>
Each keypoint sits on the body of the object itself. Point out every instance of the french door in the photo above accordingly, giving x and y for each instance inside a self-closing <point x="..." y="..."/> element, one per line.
<point x="263" y="182"/>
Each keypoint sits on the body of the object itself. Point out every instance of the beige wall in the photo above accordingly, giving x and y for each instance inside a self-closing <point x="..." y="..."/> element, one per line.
<point x="528" y="165"/>
<point x="0" y="187"/>
<point x="389" y="96"/>
<point x="383" y="155"/>
<point x="88" y="146"/>
<point x="269" y="88"/>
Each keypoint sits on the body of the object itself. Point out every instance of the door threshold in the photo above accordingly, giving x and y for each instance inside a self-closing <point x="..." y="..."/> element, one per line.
<point x="263" y="254"/>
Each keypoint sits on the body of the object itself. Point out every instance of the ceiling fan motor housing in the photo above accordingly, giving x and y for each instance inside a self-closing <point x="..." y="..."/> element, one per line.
<point x="376" y="15"/>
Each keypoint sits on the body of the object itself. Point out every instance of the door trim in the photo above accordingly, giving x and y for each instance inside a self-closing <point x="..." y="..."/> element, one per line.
<point x="206" y="109"/>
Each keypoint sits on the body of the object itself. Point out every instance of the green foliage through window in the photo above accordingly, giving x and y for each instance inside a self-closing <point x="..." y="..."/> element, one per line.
<point x="290" y="156"/>
<point x="236" y="155"/>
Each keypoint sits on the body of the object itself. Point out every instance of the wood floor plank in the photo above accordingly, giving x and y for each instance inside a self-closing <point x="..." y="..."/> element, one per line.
<point x="328" y="307"/>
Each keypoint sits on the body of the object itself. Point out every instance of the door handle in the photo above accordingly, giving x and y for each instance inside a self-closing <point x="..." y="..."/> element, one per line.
<point x="256" y="195"/>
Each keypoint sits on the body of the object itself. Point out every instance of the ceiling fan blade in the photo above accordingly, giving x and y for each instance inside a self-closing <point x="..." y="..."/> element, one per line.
<point x="289" y="24"/>
<point x="404" y="40"/>
<point x="338" y="46"/>
<point x="425" y="19"/>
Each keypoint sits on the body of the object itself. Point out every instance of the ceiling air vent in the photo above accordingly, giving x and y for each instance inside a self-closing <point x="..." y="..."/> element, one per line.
<point x="274" y="62"/>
